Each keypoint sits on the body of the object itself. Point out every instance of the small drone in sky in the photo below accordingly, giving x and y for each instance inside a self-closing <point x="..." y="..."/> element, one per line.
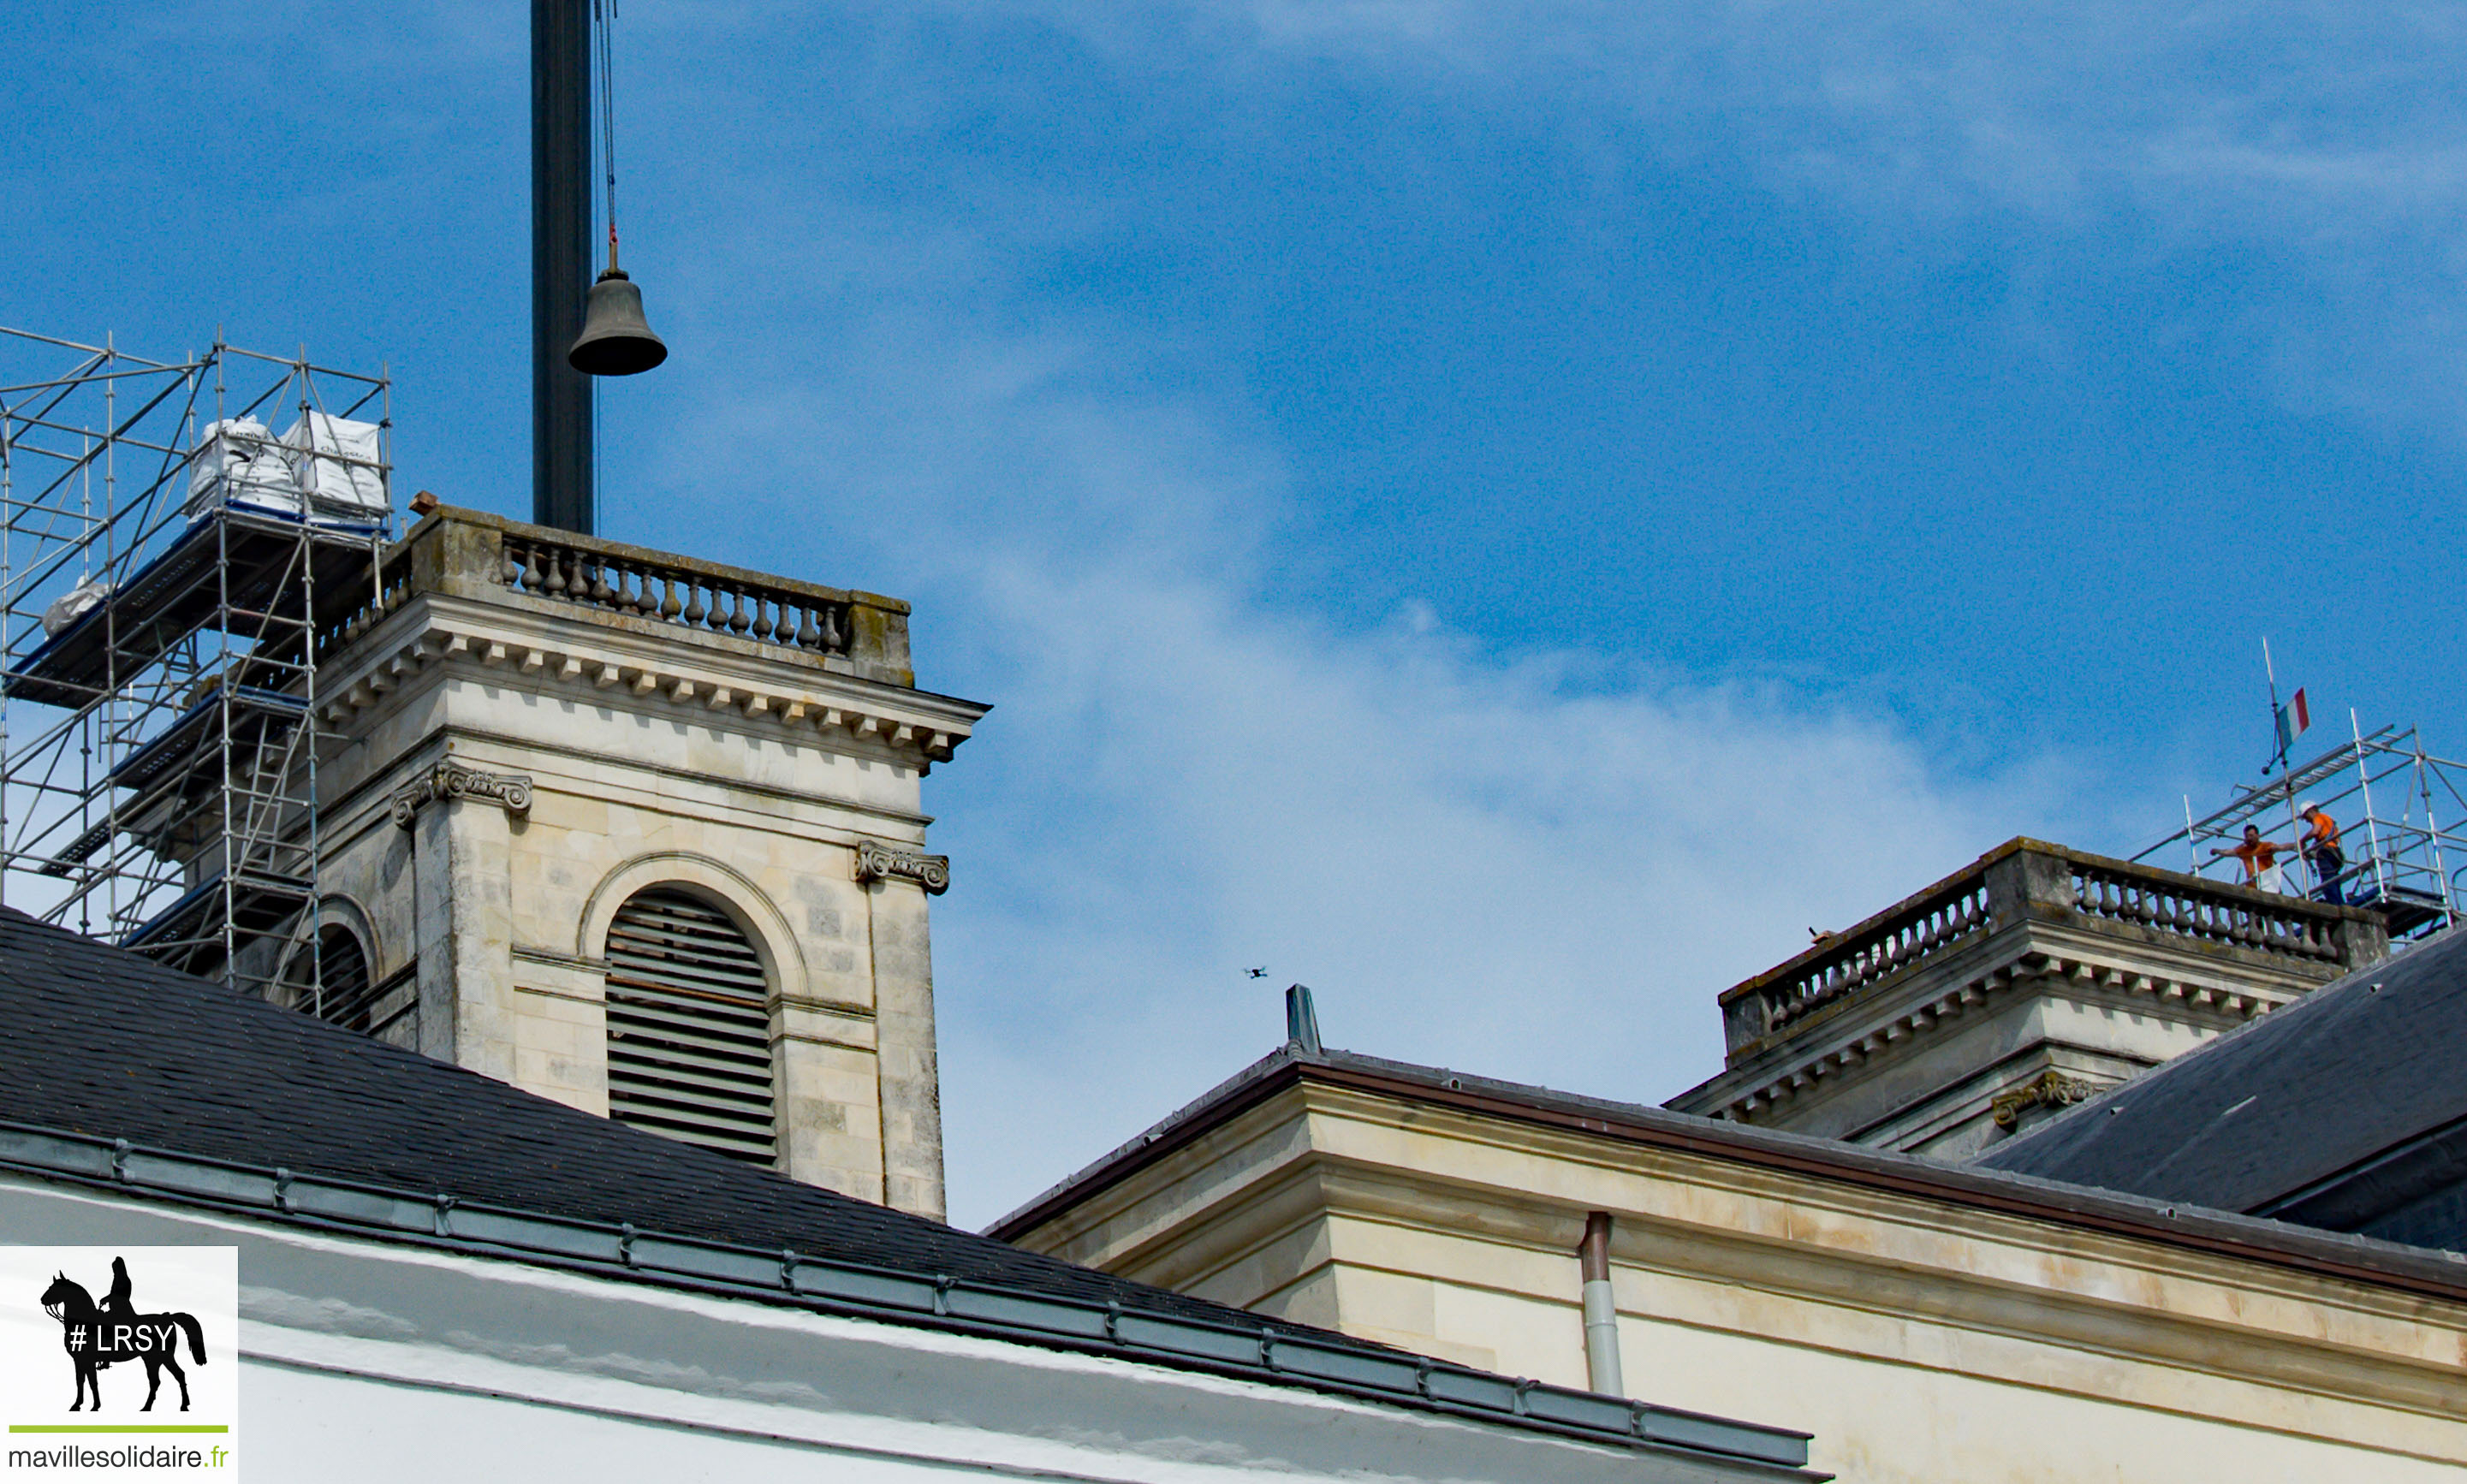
<point x="1258" y="973"/>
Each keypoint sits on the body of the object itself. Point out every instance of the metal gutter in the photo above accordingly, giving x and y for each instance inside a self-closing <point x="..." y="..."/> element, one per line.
<point x="935" y="1301"/>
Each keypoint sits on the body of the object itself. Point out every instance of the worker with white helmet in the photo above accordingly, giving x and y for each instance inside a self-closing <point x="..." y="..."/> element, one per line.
<point x="2320" y="848"/>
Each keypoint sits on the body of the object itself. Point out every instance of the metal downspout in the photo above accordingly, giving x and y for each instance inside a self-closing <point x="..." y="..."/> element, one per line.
<point x="1601" y="1309"/>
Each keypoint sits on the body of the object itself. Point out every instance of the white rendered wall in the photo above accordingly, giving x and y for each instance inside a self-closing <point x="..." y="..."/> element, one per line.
<point x="1920" y="1341"/>
<point x="369" y="1362"/>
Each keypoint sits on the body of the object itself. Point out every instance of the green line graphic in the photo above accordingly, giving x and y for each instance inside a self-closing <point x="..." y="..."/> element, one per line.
<point x="103" y="1426"/>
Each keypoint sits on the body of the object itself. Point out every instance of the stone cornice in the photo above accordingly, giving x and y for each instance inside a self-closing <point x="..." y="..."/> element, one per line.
<point x="879" y="862"/>
<point x="1744" y="1091"/>
<point x="451" y="780"/>
<point x="550" y="650"/>
<point x="1463" y="1188"/>
<point x="1907" y="1263"/>
<point x="2387" y="1267"/>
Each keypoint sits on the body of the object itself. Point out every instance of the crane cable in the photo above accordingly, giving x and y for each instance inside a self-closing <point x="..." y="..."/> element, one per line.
<point x="605" y="19"/>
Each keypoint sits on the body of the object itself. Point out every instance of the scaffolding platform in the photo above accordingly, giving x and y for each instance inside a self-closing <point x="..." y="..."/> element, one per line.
<point x="159" y="753"/>
<point x="2391" y="799"/>
<point x="2407" y="911"/>
<point x="237" y="741"/>
<point x="200" y="735"/>
<point x="231" y="565"/>
<point x="189" y="933"/>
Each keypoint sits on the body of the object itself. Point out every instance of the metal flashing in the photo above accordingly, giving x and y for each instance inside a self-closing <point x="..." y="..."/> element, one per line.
<point x="773" y="1276"/>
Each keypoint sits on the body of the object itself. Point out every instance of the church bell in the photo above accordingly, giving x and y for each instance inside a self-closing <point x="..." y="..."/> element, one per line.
<point x="616" y="340"/>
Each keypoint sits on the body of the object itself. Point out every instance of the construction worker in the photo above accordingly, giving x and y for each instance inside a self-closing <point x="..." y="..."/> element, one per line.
<point x="2320" y="848"/>
<point x="2260" y="858"/>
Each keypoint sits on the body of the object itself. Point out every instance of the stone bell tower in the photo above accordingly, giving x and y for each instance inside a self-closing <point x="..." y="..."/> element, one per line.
<point x="641" y="834"/>
<point x="2032" y="978"/>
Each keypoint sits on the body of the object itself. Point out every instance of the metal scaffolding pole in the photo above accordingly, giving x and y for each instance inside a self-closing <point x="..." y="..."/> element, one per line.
<point x="2402" y="869"/>
<point x="166" y="596"/>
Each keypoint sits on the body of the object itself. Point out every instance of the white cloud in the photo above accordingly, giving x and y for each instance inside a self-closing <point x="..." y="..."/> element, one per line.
<point x="1541" y="867"/>
<point x="1473" y="864"/>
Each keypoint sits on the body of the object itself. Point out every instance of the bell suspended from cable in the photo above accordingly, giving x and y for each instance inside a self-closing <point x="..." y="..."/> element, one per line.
<point x="616" y="340"/>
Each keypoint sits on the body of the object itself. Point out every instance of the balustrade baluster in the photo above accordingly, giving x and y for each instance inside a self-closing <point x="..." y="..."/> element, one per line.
<point x="693" y="609"/>
<point x="669" y="607"/>
<point x="737" y="622"/>
<point x="809" y="635"/>
<point x="762" y="625"/>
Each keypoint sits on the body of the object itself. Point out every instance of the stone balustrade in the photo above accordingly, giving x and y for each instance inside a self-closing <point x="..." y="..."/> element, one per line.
<point x="577" y="570"/>
<point x="473" y="554"/>
<point x="2029" y="881"/>
<point x="2197" y="909"/>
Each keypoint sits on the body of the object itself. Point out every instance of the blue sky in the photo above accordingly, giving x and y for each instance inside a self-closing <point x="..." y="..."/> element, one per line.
<point x="1508" y="513"/>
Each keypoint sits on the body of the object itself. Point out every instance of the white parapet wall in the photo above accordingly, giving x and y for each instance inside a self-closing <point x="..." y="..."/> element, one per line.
<point x="377" y="1363"/>
<point x="1926" y="1323"/>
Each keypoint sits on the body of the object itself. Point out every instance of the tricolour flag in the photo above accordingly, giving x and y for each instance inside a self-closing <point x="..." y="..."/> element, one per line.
<point x="2293" y="718"/>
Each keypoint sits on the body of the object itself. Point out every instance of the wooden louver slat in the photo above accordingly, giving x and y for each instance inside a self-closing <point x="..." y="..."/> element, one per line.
<point x="333" y="983"/>
<point x="689" y="1027"/>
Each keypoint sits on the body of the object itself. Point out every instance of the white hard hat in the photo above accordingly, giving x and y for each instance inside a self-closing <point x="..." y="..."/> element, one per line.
<point x="2307" y="808"/>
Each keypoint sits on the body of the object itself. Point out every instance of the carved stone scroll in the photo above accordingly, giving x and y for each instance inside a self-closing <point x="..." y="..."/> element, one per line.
<point x="2050" y="1089"/>
<point x="452" y="781"/>
<point x="876" y="860"/>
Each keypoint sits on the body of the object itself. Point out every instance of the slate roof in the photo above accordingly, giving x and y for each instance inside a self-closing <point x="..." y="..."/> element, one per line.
<point x="98" y="1041"/>
<point x="234" y="1101"/>
<point x="2346" y="1110"/>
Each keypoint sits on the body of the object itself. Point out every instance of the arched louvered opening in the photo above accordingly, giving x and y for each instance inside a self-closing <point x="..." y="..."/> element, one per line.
<point x="690" y="1026"/>
<point x="333" y="983"/>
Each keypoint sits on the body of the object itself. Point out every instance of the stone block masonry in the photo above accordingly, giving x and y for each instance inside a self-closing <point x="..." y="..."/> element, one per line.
<point x="530" y="728"/>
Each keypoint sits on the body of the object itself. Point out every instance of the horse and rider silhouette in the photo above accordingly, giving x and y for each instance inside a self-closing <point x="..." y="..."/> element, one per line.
<point x="97" y="1336"/>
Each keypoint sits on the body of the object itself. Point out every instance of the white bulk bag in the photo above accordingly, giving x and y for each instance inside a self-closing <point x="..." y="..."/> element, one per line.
<point x="238" y="463"/>
<point x="75" y="604"/>
<point x="337" y="463"/>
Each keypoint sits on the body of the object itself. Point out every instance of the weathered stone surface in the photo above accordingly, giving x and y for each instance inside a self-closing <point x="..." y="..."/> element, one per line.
<point x="1920" y="1336"/>
<point x="2035" y="961"/>
<point x="747" y="771"/>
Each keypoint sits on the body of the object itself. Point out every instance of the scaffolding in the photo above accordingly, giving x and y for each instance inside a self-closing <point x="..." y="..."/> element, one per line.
<point x="2399" y="810"/>
<point x="167" y="565"/>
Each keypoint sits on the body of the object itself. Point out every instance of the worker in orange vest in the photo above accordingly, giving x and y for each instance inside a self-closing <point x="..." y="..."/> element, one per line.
<point x="2320" y="848"/>
<point x="2260" y="858"/>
